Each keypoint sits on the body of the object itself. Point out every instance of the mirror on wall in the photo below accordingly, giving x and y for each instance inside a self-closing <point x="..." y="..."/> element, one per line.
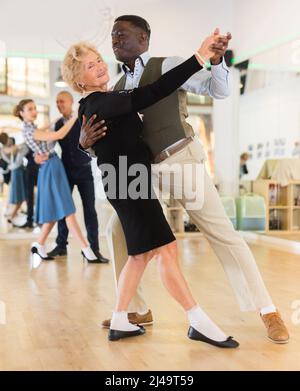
<point x="269" y="134"/>
<point x="269" y="106"/>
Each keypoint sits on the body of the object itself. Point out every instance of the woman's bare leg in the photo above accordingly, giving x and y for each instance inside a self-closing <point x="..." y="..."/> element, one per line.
<point x="46" y="229"/>
<point x="40" y="244"/>
<point x="74" y="228"/>
<point x="15" y="210"/>
<point x="130" y="277"/>
<point x="172" y="277"/>
<point x="129" y="280"/>
<point x="177" y="286"/>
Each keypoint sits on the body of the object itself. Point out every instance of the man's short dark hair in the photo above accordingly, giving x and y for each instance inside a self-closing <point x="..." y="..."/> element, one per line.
<point x="136" y="21"/>
<point x="4" y="138"/>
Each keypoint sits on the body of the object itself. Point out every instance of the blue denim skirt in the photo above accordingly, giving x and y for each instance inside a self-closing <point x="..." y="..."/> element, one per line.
<point x="17" y="191"/>
<point x="54" y="198"/>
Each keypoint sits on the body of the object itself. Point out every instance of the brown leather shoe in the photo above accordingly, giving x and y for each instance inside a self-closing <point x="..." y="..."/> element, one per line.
<point x="277" y="331"/>
<point x="134" y="318"/>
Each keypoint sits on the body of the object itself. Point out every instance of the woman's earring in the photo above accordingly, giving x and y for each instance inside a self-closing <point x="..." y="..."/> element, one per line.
<point x="80" y="85"/>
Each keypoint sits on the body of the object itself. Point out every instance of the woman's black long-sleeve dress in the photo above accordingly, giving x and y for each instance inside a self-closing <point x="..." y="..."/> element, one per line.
<point x="142" y="219"/>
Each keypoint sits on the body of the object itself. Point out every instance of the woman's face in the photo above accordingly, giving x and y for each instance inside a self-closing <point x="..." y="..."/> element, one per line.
<point x="94" y="73"/>
<point x="29" y="113"/>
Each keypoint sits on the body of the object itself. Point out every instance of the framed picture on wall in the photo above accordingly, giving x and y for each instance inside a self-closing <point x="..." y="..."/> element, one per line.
<point x="3" y="79"/>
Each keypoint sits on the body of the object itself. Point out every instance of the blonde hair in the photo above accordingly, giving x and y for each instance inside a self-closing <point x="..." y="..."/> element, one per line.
<point x="71" y="66"/>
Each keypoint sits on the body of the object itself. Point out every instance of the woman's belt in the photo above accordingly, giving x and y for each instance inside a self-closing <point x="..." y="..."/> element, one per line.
<point x="52" y="154"/>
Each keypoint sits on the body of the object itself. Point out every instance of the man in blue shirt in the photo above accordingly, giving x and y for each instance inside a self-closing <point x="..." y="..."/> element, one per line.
<point x="78" y="169"/>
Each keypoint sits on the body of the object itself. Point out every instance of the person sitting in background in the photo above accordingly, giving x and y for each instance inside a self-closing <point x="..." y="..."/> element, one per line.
<point x="243" y="164"/>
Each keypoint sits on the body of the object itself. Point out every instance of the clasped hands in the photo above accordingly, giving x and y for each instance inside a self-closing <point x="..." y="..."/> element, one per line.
<point x="213" y="48"/>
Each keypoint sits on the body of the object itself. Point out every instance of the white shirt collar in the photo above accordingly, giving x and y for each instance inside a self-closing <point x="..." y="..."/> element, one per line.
<point x="141" y="61"/>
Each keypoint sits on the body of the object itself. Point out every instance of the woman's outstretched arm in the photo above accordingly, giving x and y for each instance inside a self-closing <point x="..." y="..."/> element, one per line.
<point x="46" y="134"/>
<point x="118" y="103"/>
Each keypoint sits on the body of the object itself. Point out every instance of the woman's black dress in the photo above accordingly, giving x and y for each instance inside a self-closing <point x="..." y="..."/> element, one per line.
<point x="142" y="218"/>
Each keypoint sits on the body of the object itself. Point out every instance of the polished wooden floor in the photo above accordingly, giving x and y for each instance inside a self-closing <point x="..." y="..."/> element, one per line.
<point x="53" y="312"/>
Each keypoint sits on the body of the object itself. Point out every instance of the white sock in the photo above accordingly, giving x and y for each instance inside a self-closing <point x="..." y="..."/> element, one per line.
<point x="119" y="321"/>
<point x="89" y="253"/>
<point x="268" y="309"/>
<point x="202" y="323"/>
<point x="143" y="312"/>
<point x="41" y="249"/>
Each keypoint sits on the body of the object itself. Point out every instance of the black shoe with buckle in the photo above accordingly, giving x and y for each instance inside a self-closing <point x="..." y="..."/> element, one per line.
<point x="228" y="343"/>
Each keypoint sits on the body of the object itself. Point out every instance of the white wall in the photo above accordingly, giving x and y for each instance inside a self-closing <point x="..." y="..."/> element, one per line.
<point x="48" y="27"/>
<point x="260" y="23"/>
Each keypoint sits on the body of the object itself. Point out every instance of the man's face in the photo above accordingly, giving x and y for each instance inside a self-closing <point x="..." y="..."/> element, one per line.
<point x="128" y="41"/>
<point x="64" y="104"/>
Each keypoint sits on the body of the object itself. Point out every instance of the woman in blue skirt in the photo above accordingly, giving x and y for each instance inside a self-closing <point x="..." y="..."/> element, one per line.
<point x="54" y="199"/>
<point x="13" y="155"/>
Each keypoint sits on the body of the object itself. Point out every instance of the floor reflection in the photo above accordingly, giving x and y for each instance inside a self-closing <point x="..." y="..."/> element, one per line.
<point x="35" y="261"/>
<point x="8" y="231"/>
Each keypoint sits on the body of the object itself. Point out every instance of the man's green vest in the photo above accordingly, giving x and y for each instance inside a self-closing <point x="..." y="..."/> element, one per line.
<point x="164" y="122"/>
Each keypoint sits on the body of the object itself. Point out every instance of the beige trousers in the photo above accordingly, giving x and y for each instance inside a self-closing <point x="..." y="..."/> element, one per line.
<point x="230" y="248"/>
